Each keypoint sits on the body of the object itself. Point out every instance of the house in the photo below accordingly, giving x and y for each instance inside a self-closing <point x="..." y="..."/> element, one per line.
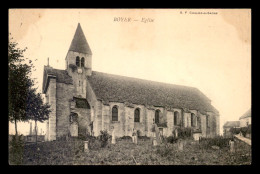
<point x="245" y="119"/>
<point x="228" y="125"/>
<point x="245" y="123"/>
<point x="84" y="101"/>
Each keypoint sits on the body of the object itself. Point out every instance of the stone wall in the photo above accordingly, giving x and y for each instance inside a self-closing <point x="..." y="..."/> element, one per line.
<point x="217" y="125"/>
<point x="106" y="117"/>
<point x="97" y="122"/>
<point x="212" y="124"/>
<point x="84" y="119"/>
<point x="203" y="125"/>
<point x="129" y="122"/>
<point x="150" y="117"/>
<point x="52" y="117"/>
<point x="170" y="122"/>
<point x="142" y="124"/>
<point x="187" y="119"/>
<point x="64" y="96"/>
<point x="119" y="125"/>
<point x="95" y="106"/>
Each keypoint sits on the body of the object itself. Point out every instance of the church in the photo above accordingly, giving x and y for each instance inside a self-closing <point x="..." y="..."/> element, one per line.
<point x="84" y="101"/>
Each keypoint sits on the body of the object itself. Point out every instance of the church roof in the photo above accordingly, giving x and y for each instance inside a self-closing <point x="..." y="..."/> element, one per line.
<point x="230" y="124"/>
<point x="247" y="114"/>
<point x="108" y="87"/>
<point x="115" y="88"/>
<point x="60" y="75"/>
<point x="79" y="42"/>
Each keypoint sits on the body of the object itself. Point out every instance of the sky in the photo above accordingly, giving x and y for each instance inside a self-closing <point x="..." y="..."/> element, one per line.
<point x="211" y="52"/>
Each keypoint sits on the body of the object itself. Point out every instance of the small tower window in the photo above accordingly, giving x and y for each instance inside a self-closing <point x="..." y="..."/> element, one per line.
<point x="77" y="61"/>
<point x="82" y="62"/>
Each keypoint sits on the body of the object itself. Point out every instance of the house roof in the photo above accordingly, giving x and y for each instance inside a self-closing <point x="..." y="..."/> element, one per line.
<point x="79" y="42"/>
<point x="246" y="114"/>
<point x="230" y="124"/>
<point x="108" y="87"/>
<point x="60" y="75"/>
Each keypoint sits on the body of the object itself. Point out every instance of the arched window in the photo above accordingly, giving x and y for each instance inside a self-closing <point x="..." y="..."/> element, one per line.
<point x="157" y="116"/>
<point x="114" y="113"/>
<point x="82" y="62"/>
<point x="198" y="122"/>
<point x="193" y="120"/>
<point x="176" y="118"/>
<point x="77" y="61"/>
<point x="207" y="120"/>
<point x="137" y="115"/>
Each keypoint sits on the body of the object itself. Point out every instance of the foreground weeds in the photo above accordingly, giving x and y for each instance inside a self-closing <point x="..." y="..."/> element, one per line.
<point x="124" y="152"/>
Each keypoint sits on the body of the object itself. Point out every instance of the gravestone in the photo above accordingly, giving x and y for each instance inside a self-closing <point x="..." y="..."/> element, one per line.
<point x="180" y="145"/>
<point x="158" y="139"/>
<point x="113" y="137"/>
<point x="232" y="146"/>
<point x="176" y="133"/>
<point x="154" y="139"/>
<point x="86" y="146"/>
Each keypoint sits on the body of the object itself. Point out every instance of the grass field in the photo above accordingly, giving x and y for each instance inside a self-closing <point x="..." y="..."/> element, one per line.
<point x="72" y="153"/>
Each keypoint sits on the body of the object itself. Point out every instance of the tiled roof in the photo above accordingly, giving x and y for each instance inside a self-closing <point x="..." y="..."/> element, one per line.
<point x="247" y="114"/>
<point x="61" y="76"/>
<point x="108" y="87"/>
<point x="79" y="42"/>
<point x="230" y="124"/>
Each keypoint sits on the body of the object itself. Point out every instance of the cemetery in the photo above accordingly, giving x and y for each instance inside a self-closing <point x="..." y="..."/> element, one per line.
<point x="142" y="150"/>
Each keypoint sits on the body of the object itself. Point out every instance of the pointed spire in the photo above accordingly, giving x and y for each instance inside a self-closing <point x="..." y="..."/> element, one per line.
<point x="79" y="42"/>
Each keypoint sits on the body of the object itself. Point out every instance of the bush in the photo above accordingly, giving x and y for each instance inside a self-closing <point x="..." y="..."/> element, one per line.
<point x="164" y="150"/>
<point x="103" y="137"/>
<point x="171" y="139"/>
<point x="143" y="138"/>
<point x="184" y="132"/>
<point x="93" y="142"/>
<point x="125" y="138"/>
<point x="82" y="136"/>
<point x="216" y="141"/>
<point x="245" y="130"/>
<point x="234" y="130"/>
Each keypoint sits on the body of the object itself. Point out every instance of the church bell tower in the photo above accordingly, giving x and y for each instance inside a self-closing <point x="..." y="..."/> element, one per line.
<point x="79" y="62"/>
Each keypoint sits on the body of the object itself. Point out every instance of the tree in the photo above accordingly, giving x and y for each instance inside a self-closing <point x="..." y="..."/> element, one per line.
<point x="35" y="109"/>
<point x="19" y="83"/>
